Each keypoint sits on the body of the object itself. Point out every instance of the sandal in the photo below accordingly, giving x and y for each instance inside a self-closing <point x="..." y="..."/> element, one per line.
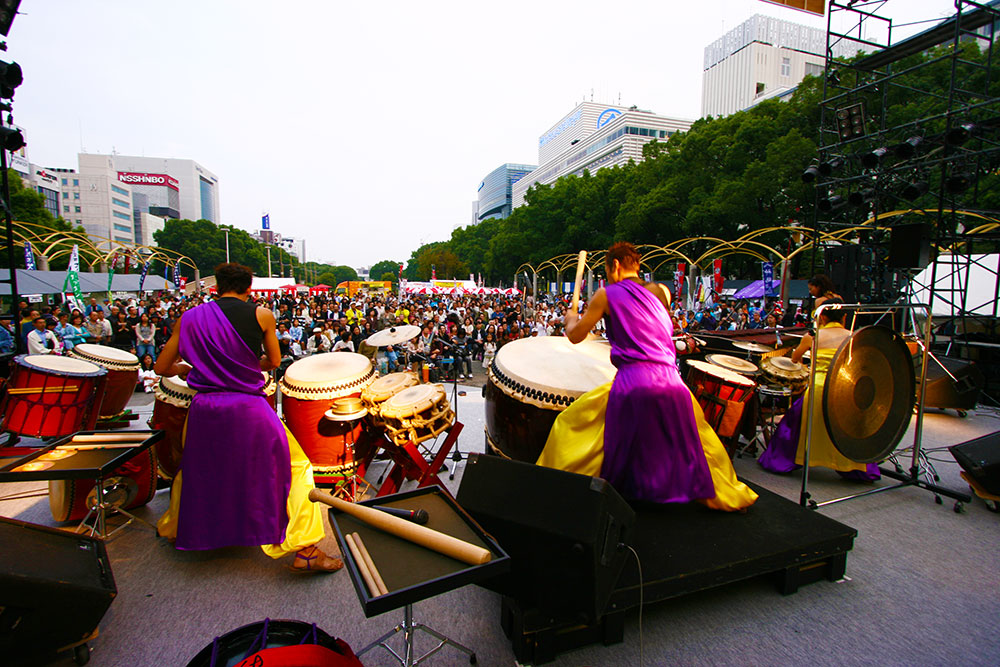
<point x="315" y="561"/>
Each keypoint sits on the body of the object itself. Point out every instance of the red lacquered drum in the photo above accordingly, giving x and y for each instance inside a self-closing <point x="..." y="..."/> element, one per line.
<point x="123" y="374"/>
<point x="309" y="388"/>
<point x="131" y="485"/>
<point x="49" y="396"/>
<point x="170" y="411"/>
<point x="416" y="414"/>
<point x="530" y="382"/>
<point x="722" y="394"/>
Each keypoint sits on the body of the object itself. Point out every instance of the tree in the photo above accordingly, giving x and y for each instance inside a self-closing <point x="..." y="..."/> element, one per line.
<point x="343" y="273"/>
<point x="383" y="267"/>
<point x="204" y="243"/>
<point x="328" y="278"/>
<point x="27" y="205"/>
<point x="389" y="276"/>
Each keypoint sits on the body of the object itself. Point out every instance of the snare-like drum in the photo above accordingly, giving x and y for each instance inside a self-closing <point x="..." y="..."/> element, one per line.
<point x="783" y="372"/>
<point x="131" y="485"/>
<point x="734" y="364"/>
<point x="50" y="396"/>
<point x="416" y="414"/>
<point x="170" y="411"/>
<point x="309" y="388"/>
<point x="384" y="388"/>
<point x="532" y="380"/>
<point x="722" y="394"/>
<point x="123" y="374"/>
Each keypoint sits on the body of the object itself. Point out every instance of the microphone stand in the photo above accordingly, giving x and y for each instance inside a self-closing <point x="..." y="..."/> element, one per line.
<point x="456" y="455"/>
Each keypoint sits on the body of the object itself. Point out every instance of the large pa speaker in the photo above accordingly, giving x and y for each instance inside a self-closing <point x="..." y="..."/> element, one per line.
<point x="910" y="246"/>
<point x="960" y="393"/>
<point x="842" y="268"/>
<point x="55" y="587"/>
<point x="981" y="459"/>
<point x="566" y="535"/>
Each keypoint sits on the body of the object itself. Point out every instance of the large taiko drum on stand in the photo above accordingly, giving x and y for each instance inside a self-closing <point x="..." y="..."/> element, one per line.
<point x="50" y="396"/>
<point x="530" y="382"/>
<point x="723" y="395"/>
<point x="123" y="374"/>
<point x="309" y="388"/>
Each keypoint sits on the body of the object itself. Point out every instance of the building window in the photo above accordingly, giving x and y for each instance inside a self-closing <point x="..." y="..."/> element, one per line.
<point x="123" y="228"/>
<point x="123" y="216"/>
<point x="119" y="202"/>
<point x="77" y="209"/>
<point x="760" y="88"/>
<point x="76" y="182"/>
<point x="812" y="69"/>
<point x="79" y="222"/>
<point x="786" y="67"/>
<point x="65" y="181"/>
<point x="115" y="188"/>
<point x="66" y="209"/>
<point x="207" y="200"/>
<point x="76" y="195"/>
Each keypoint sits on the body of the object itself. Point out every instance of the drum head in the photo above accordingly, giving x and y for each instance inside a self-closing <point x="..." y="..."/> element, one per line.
<point x="785" y="364"/>
<point x="551" y="372"/>
<point x="734" y="364"/>
<point x="270" y="386"/>
<point x="721" y="373"/>
<point x="414" y="401"/>
<point x="173" y="390"/>
<point x="57" y="365"/>
<point x="327" y="376"/>
<point x="389" y="385"/>
<point x="110" y="357"/>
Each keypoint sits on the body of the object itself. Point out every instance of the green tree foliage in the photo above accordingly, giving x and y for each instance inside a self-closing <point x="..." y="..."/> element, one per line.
<point x="388" y="275"/>
<point x="27" y="205"/>
<point x="327" y="278"/>
<point x="383" y="267"/>
<point x="204" y="243"/>
<point x="342" y="273"/>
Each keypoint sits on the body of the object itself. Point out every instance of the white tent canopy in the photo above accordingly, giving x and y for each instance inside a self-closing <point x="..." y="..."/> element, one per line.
<point x="968" y="279"/>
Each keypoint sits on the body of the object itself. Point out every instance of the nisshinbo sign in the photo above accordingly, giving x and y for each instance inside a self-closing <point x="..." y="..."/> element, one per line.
<point x="133" y="178"/>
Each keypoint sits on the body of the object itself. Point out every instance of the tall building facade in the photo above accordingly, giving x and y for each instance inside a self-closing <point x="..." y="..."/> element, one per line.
<point x="594" y="136"/>
<point x="496" y="191"/>
<point x="760" y="58"/>
<point x="197" y="188"/>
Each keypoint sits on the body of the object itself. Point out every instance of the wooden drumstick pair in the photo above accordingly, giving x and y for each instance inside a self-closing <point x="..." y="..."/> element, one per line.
<point x="370" y="573"/>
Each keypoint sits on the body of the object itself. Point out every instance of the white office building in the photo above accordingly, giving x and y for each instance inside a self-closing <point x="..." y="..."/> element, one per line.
<point x="197" y="187"/>
<point x="760" y="58"/>
<point x="594" y="136"/>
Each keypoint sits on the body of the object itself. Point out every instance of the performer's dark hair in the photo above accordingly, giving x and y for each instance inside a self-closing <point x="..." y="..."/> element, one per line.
<point x="625" y="253"/>
<point x="233" y="277"/>
<point x="823" y="282"/>
<point x="834" y="314"/>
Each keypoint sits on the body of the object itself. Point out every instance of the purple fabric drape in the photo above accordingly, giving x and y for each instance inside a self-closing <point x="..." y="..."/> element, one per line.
<point x="236" y="466"/>
<point x="652" y="450"/>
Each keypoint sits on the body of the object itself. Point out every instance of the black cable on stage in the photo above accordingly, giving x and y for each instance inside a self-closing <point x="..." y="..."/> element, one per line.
<point x="638" y="565"/>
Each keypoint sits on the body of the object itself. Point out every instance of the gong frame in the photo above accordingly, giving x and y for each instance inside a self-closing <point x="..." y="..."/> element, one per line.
<point x="912" y="477"/>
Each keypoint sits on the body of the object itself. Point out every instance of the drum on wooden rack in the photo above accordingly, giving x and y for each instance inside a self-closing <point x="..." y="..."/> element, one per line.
<point x="271" y="390"/>
<point x="783" y="372"/>
<point x="384" y="388"/>
<point x="532" y="380"/>
<point x="417" y="414"/>
<point x="722" y="394"/>
<point x="131" y="485"/>
<point x="50" y="396"/>
<point x="123" y="373"/>
<point x="309" y="388"/>
<point x="170" y="410"/>
<point x="734" y="364"/>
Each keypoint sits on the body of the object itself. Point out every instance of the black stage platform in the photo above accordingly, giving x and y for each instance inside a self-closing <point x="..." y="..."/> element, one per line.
<point x="689" y="548"/>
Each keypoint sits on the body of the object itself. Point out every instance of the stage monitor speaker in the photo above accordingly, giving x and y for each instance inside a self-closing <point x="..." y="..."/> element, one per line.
<point x="55" y="587"/>
<point x="842" y="269"/>
<point x="566" y="535"/>
<point x="960" y="393"/>
<point x="981" y="459"/>
<point x="910" y="246"/>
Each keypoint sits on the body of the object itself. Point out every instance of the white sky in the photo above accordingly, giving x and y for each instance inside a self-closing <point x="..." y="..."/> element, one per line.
<point x="363" y="127"/>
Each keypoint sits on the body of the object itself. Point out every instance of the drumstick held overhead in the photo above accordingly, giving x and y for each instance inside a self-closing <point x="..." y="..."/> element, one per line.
<point x="425" y="537"/>
<point x="581" y="263"/>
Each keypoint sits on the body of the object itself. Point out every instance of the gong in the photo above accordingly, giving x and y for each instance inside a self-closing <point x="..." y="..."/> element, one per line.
<point x="869" y="393"/>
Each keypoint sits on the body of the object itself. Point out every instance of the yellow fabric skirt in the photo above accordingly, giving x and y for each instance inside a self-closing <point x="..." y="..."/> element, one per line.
<point x="576" y="444"/>
<point x="305" y="518"/>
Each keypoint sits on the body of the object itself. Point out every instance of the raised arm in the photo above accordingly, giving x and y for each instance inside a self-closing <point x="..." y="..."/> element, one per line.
<point x="577" y="327"/>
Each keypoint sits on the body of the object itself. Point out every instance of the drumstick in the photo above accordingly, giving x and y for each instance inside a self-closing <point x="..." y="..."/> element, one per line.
<point x="425" y="537"/>
<point x="371" y="564"/>
<point x="110" y="437"/>
<point x="581" y="262"/>
<point x="373" y="588"/>
<point x="81" y="448"/>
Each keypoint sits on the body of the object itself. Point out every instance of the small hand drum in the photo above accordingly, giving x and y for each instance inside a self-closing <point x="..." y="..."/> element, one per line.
<point x="783" y="372"/>
<point x="417" y="414"/>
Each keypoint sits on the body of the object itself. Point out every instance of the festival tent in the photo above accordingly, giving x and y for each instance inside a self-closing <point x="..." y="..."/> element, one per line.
<point x="51" y="282"/>
<point x="319" y="289"/>
<point x="798" y="289"/>
<point x="973" y="276"/>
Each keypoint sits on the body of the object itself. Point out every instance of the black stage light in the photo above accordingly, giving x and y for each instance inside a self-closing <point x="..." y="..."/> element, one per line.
<point x="10" y="78"/>
<point x="8" y="9"/>
<point x="851" y="121"/>
<point x="872" y="160"/>
<point x="859" y="197"/>
<point x="908" y="149"/>
<point x="958" y="183"/>
<point x="914" y="190"/>
<point x="11" y="138"/>
<point x="832" y="203"/>
<point x="958" y="135"/>
<point x="810" y="174"/>
<point x="827" y="168"/>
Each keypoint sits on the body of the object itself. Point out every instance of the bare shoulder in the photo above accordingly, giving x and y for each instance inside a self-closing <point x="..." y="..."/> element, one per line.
<point x="659" y="290"/>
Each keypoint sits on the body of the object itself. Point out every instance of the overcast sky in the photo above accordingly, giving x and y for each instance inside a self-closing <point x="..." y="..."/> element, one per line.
<point x="363" y="127"/>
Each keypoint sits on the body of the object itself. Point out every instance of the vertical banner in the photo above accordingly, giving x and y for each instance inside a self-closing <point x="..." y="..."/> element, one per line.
<point x="111" y="274"/>
<point x="142" y="276"/>
<point x="768" y="269"/>
<point x="647" y="276"/>
<point x="679" y="281"/>
<point x="717" y="274"/>
<point x="73" y="275"/>
<point x="126" y="264"/>
<point x="29" y="256"/>
<point x="177" y="276"/>
<point x="265" y="222"/>
<point x="434" y="273"/>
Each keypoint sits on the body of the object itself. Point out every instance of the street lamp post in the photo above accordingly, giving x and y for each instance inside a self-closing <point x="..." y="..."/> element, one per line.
<point x="227" y="245"/>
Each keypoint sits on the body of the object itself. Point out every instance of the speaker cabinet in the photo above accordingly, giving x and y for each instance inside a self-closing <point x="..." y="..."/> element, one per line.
<point x="910" y="246"/>
<point x="566" y="535"/>
<point x="960" y="393"/>
<point x="842" y="268"/>
<point x="55" y="587"/>
<point x="981" y="459"/>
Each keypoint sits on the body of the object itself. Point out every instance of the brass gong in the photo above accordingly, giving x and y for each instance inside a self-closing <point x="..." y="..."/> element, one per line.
<point x="869" y="393"/>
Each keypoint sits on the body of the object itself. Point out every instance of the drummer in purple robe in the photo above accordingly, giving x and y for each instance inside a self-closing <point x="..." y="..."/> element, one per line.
<point x="656" y="444"/>
<point x="245" y="479"/>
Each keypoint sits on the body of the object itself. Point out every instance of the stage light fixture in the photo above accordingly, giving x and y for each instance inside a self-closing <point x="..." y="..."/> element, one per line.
<point x="859" y="197"/>
<point x="10" y="78"/>
<point x="11" y="138"/>
<point x="851" y="121"/>
<point x="958" y="183"/>
<point x="914" y="190"/>
<point x="832" y="203"/>
<point x="827" y="168"/>
<point x="810" y="174"/>
<point x="8" y="10"/>
<point x="872" y="160"/>
<point x="909" y="148"/>
<point x="958" y="135"/>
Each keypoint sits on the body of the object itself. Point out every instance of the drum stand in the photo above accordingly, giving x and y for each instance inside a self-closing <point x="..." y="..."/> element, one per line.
<point x="409" y="629"/>
<point x="100" y="510"/>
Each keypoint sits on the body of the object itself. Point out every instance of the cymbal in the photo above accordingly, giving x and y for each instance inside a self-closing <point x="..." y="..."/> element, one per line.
<point x="393" y="335"/>
<point x="868" y="394"/>
<point x="752" y="347"/>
